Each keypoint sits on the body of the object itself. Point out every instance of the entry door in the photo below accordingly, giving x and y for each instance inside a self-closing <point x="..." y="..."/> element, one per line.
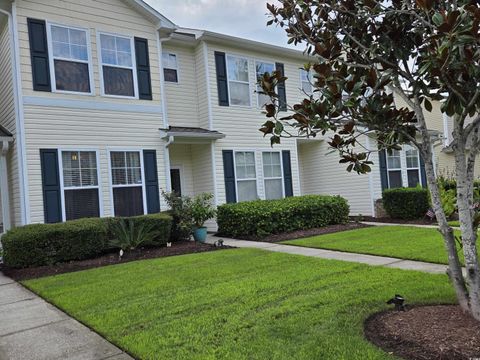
<point x="175" y="180"/>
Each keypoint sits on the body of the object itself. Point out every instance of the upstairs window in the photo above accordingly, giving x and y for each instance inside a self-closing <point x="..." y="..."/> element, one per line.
<point x="238" y="84"/>
<point x="70" y="59"/>
<point x="306" y="81"/>
<point x="117" y="64"/>
<point x="80" y="184"/>
<point x="170" y="67"/>
<point x="261" y="68"/>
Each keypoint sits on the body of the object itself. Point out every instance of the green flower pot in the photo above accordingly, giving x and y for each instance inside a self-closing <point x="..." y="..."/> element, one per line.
<point x="200" y="234"/>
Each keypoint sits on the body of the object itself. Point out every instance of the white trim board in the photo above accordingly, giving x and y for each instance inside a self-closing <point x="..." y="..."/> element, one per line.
<point x="92" y="105"/>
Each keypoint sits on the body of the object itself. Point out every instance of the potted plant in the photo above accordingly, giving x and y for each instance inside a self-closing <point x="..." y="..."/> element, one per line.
<point x="201" y="211"/>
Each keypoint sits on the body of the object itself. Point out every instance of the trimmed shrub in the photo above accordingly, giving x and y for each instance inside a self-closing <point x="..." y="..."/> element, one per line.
<point x="260" y="218"/>
<point x="47" y="244"/>
<point x="406" y="203"/>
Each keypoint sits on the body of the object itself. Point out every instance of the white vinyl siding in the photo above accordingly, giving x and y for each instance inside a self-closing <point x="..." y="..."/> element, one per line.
<point x="7" y="120"/>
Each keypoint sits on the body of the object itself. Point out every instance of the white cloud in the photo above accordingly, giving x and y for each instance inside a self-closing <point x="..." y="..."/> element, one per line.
<point x="242" y="18"/>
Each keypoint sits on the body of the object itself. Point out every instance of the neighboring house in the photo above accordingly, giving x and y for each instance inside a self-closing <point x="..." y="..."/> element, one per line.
<point x="104" y="104"/>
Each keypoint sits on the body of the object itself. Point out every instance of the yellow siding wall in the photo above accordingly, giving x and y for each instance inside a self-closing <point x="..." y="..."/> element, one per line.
<point x="241" y="124"/>
<point x="8" y="120"/>
<point x="56" y="127"/>
<point x="182" y="102"/>
<point x="322" y="174"/>
<point x="112" y="16"/>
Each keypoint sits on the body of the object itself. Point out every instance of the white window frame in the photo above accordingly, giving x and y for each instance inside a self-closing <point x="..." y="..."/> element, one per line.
<point x="63" y="187"/>
<point x="237" y="81"/>
<point x="142" y="173"/>
<point x="249" y="179"/>
<point x="404" y="169"/>
<point x="273" y="178"/>
<point x="51" y="59"/>
<point x="412" y="168"/>
<point x="133" y="68"/>
<point x="256" y="86"/>
<point x="177" y="69"/>
<point x="301" y="71"/>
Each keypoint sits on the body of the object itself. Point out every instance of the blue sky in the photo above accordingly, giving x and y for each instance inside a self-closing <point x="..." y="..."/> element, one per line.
<point x="243" y="18"/>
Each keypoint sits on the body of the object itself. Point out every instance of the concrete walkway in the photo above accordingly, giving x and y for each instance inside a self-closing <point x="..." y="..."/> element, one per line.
<point x="32" y="329"/>
<point x="335" y="255"/>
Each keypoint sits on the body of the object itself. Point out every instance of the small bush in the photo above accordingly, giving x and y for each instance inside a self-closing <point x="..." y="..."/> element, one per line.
<point x="264" y="217"/>
<point x="406" y="203"/>
<point x="47" y="244"/>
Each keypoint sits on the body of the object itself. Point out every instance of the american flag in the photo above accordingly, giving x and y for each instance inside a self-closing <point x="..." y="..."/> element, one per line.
<point x="430" y="214"/>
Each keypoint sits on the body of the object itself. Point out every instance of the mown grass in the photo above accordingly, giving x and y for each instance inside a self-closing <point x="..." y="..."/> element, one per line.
<point x="404" y="242"/>
<point x="238" y="304"/>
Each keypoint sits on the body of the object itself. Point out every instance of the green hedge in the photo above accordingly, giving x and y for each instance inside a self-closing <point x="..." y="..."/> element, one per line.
<point x="47" y="244"/>
<point x="260" y="218"/>
<point x="406" y="203"/>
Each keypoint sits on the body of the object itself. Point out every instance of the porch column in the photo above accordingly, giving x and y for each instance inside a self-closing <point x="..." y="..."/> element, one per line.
<point x="4" y="193"/>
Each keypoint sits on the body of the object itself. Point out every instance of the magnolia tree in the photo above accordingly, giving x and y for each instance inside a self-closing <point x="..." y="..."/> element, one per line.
<point x="365" y="53"/>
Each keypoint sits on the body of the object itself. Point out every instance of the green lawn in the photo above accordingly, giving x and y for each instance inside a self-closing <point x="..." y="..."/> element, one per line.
<point x="396" y="241"/>
<point x="238" y="304"/>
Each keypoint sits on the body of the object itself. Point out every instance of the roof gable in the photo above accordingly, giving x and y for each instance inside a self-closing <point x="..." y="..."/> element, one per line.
<point x="150" y="13"/>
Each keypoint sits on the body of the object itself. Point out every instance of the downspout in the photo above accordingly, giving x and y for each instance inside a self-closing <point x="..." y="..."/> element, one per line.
<point x="19" y="123"/>
<point x="5" y="196"/>
<point x="164" y="109"/>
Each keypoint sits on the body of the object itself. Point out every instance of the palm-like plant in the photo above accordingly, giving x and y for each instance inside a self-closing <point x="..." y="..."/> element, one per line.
<point x="128" y="235"/>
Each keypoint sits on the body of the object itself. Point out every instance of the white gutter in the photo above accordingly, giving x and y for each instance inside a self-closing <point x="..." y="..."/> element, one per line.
<point x="170" y="141"/>
<point x="162" y="78"/>
<point x="19" y="120"/>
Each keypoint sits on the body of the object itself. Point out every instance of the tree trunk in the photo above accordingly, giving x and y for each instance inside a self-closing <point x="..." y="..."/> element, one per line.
<point x="454" y="266"/>
<point x="469" y="233"/>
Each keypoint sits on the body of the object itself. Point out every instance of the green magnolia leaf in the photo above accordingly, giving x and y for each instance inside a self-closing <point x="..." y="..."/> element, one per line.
<point x="428" y="105"/>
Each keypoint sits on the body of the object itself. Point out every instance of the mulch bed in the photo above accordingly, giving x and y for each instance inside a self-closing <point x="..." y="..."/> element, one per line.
<point x="177" y="248"/>
<point x="426" y="332"/>
<point x="307" y="233"/>
<point x="397" y="221"/>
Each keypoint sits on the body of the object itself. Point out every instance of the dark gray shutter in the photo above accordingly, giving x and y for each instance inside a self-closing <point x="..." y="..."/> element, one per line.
<point x="281" y="90"/>
<point x="37" y="35"/>
<point x="52" y="200"/>
<point x="151" y="181"/>
<point x="382" y="159"/>
<point x="222" y="86"/>
<point x="287" y="173"/>
<point x="423" y="174"/>
<point x="143" y="69"/>
<point x="229" y="173"/>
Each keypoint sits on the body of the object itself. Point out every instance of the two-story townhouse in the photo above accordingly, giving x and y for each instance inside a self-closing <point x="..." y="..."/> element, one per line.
<point x="82" y="99"/>
<point x="106" y="103"/>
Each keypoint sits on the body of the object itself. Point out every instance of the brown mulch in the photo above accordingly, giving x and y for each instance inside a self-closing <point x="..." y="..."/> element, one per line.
<point x="177" y="248"/>
<point x="398" y="221"/>
<point x="306" y="233"/>
<point x="441" y="332"/>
